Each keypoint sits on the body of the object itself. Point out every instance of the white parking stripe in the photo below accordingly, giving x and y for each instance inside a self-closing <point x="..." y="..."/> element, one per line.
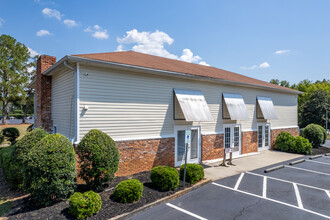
<point x="185" y="211"/>
<point x="272" y="200"/>
<point x="328" y="193"/>
<point x="264" y="188"/>
<point x="296" y="190"/>
<point x="318" y="162"/>
<point x="312" y="171"/>
<point x="239" y="181"/>
<point x="287" y="181"/>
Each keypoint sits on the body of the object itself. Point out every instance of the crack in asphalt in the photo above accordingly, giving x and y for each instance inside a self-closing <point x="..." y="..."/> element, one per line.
<point x="246" y="208"/>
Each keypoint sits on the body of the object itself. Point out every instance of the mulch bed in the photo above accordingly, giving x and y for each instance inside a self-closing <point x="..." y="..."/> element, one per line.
<point x="25" y="209"/>
<point x="320" y="150"/>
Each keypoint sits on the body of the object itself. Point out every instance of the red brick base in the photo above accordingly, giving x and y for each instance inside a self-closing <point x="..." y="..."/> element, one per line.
<point x="275" y="132"/>
<point x="142" y="155"/>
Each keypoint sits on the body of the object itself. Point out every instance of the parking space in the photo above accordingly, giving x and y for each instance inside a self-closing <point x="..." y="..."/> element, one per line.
<point x="301" y="191"/>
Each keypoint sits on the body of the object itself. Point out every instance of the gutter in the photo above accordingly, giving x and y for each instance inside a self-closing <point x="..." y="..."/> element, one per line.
<point x="75" y="139"/>
<point x="128" y="67"/>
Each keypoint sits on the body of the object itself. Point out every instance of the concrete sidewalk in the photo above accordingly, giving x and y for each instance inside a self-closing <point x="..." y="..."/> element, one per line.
<point x="265" y="158"/>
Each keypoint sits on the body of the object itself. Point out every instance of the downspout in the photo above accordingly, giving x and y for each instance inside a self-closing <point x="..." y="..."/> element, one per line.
<point x="74" y="140"/>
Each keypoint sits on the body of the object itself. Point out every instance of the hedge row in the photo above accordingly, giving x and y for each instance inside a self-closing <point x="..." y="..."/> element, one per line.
<point x="316" y="134"/>
<point x="288" y="143"/>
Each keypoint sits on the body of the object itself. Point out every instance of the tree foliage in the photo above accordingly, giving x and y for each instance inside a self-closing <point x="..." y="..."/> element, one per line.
<point x="13" y="71"/>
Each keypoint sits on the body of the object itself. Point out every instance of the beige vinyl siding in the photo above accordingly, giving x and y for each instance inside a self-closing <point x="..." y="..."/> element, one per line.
<point x="137" y="106"/>
<point x="63" y="103"/>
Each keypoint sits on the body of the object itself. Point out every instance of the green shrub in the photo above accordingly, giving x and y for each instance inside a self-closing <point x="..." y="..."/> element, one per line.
<point x="164" y="178"/>
<point x="8" y="166"/>
<point x="324" y="133"/>
<point x="2" y="139"/>
<point x="302" y="146"/>
<point x="84" y="205"/>
<point x="22" y="148"/>
<point x="194" y="173"/>
<point x="99" y="158"/>
<point x="284" y="142"/>
<point x="314" y="134"/>
<point x="50" y="169"/>
<point x="30" y="128"/>
<point x="11" y="134"/>
<point x="128" y="191"/>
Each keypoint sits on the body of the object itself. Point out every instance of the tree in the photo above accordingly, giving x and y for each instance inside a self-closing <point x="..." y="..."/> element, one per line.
<point x="13" y="71"/>
<point x="275" y="81"/>
<point x="283" y="83"/>
<point x="313" y="110"/>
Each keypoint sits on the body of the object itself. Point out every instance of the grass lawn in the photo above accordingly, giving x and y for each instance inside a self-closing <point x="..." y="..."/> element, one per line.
<point x="21" y="127"/>
<point x="5" y="207"/>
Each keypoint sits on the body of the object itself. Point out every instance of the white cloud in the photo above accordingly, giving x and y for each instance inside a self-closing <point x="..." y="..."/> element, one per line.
<point x="261" y="66"/>
<point x="43" y="33"/>
<point x="188" y="56"/>
<point x="52" y="13"/>
<point x="204" y="63"/>
<point x="1" y="22"/>
<point x="264" y="65"/>
<point x="154" y="43"/>
<point x="97" y="32"/>
<point x="70" y="23"/>
<point x="32" y="52"/>
<point x="282" y="51"/>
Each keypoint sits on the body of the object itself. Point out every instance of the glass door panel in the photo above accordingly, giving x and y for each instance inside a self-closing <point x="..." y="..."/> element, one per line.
<point x="260" y="135"/>
<point x="194" y="144"/>
<point x="236" y="138"/>
<point x="227" y="137"/>
<point x="180" y="145"/>
<point x="267" y="136"/>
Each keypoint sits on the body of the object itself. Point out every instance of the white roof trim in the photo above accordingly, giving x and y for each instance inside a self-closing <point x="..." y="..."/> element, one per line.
<point x="236" y="106"/>
<point x="193" y="105"/>
<point x="267" y="107"/>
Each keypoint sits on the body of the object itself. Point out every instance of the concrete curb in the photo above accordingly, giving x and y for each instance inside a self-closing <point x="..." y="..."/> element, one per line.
<point x="297" y="161"/>
<point x="162" y="200"/>
<point x="314" y="157"/>
<point x="274" y="168"/>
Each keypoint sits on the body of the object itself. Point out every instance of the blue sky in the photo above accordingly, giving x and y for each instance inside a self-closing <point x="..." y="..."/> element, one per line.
<point x="288" y="40"/>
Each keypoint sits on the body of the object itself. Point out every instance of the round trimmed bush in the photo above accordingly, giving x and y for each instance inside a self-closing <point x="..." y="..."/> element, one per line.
<point x="50" y="169"/>
<point x="22" y="148"/>
<point x="128" y="191"/>
<point x="11" y="134"/>
<point x="324" y="133"/>
<point x="284" y="142"/>
<point x="2" y="139"/>
<point x="164" y="178"/>
<point x="314" y="134"/>
<point x="83" y="205"/>
<point x="302" y="146"/>
<point x="8" y="166"/>
<point x="99" y="158"/>
<point x="194" y="173"/>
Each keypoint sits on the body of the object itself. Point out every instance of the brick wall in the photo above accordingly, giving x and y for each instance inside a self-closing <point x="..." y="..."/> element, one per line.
<point x="249" y="142"/>
<point x="142" y="155"/>
<point x="43" y="93"/>
<point x="275" y="132"/>
<point x="212" y="146"/>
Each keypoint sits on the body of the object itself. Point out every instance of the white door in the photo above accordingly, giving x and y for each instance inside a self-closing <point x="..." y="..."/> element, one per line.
<point x="263" y="136"/>
<point x="232" y="138"/>
<point x="194" y="150"/>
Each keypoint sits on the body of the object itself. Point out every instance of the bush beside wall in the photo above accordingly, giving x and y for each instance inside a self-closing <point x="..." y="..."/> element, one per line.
<point x="99" y="158"/>
<point x="314" y="134"/>
<point x="194" y="173"/>
<point x="50" y="170"/>
<point x="164" y="178"/>
<point x="288" y="143"/>
<point x="8" y="166"/>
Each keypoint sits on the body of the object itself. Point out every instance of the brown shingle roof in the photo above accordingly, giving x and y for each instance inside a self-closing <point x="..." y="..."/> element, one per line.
<point x="161" y="63"/>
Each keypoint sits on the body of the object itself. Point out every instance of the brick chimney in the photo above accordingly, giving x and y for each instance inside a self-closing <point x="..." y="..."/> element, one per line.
<point x="44" y="93"/>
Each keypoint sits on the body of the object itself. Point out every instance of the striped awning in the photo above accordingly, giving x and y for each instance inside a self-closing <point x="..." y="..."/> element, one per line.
<point x="267" y="107"/>
<point x="235" y="106"/>
<point x="193" y="105"/>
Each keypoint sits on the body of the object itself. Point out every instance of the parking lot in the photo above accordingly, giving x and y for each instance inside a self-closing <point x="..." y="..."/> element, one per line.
<point x="300" y="191"/>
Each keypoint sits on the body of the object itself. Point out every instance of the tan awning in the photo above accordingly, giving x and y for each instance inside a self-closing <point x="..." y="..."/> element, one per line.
<point x="267" y="107"/>
<point x="235" y="106"/>
<point x="193" y="105"/>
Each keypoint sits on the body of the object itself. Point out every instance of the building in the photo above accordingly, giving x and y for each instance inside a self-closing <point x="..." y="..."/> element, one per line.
<point x="148" y="103"/>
